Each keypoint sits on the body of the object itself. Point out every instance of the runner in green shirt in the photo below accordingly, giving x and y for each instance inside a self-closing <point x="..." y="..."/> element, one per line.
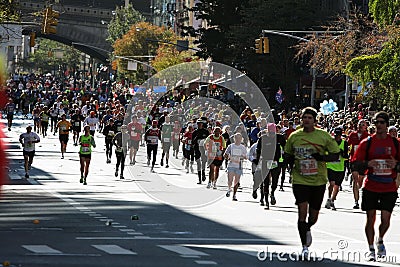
<point x="309" y="149"/>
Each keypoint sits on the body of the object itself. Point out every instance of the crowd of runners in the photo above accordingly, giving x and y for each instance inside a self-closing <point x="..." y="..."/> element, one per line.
<point x="304" y="147"/>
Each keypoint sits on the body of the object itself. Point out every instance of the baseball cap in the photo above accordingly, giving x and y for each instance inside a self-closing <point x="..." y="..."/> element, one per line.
<point x="338" y="131"/>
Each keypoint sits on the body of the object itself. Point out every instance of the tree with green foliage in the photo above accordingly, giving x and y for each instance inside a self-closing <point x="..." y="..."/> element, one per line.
<point x="44" y="58"/>
<point x="8" y="11"/>
<point x="122" y="21"/>
<point x="384" y="12"/>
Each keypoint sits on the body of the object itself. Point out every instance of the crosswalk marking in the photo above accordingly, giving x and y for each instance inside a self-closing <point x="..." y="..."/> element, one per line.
<point x="183" y="251"/>
<point x="206" y="262"/>
<point x="114" y="250"/>
<point x="41" y="249"/>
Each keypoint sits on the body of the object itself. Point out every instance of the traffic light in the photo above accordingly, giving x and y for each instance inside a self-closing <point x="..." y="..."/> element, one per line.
<point x="32" y="39"/>
<point x="265" y="45"/>
<point x="258" y="45"/>
<point x="50" y="21"/>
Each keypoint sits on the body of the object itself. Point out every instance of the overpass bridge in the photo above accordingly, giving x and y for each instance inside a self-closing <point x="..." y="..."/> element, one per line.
<point x="82" y="23"/>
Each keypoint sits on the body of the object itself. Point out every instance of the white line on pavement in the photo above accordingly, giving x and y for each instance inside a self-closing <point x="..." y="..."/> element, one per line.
<point x="114" y="250"/>
<point x="206" y="262"/>
<point x="183" y="251"/>
<point x="41" y="249"/>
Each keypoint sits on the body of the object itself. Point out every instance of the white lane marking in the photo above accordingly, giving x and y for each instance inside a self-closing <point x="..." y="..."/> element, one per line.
<point x="183" y="251"/>
<point x="175" y="239"/>
<point x="118" y="226"/>
<point x="41" y="249"/>
<point x="105" y="220"/>
<point x="134" y="233"/>
<point x="127" y="230"/>
<point x="206" y="262"/>
<point x="89" y="212"/>
<point x="100" y="217"/>
<point x="114" y="250"/>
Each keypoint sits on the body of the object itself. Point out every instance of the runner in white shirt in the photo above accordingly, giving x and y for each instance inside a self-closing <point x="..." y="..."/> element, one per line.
<point x="93" y="122"/>
<point x="28" y="141"/>
<point x="235" y="153"/>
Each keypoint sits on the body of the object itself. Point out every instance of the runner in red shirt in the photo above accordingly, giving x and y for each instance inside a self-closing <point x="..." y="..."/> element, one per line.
<point x="354" y="140"/>
<point x="135" y="130"/>
<point x="378" y="157"/>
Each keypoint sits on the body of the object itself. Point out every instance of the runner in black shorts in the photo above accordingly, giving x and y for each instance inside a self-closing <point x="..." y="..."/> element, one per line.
<point x="305" y="150"/>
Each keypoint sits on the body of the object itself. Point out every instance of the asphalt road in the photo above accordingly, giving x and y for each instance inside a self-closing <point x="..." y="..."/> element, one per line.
<point x="53" y="220"/>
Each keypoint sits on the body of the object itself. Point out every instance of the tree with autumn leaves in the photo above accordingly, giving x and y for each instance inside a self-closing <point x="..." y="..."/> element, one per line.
<point x="367" y="48"/>
<point x="143" y="40"/>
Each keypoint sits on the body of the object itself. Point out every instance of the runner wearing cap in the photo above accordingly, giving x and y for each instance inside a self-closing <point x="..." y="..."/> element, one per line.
<point x="378" y="157"/>
<point x="152" y="135"/>
<point x="28" y="141"/>
<point x="86" y="142"/>
<point x="93" y="122"/>
<point x="336" y="169"/>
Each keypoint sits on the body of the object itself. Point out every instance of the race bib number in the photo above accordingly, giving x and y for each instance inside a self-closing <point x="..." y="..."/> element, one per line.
<point x="382" y="168"/>
<point x="189" y="142"/>
<point x="111" y="133"/>
<point x="152" y="139"/>
<point x="118" y="128"/>
<point x="77" y="123"/>
<point x="308" y="167"/>
<point x="176" y="136"/>
<point x="215" y="147"/>
<point x="187" y="147"/>
<point x="272" y="164"/>
<point x="118" y="149"/>
<point x="85" y="149"/>
<point x="134" y="134"/>
<point x="63" y="128"/>
<point x="166" y="140"/>
<point x="355" y="147"/>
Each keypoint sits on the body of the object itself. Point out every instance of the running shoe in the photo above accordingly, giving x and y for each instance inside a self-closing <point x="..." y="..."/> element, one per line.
<point x="234" y="198"/>
<point x="228" y="193"/>
<point x="26" y="175"/>
<point x="81" y="180"/>
<point x="152" y="169"/>
<point x="381" y="249"/>
<point x="167" y="166"/>
<point x="333" y="206"/>
<point x="254" y="194"/>
<point x="305" y="253"/>
<point x="214" y="186"/>
<point x="273" y="200"/>
<point x="116" y="173"/>
<point x="371" y="256"/>
<point x="121" y="176"/>
<point x="208" y="185"/>
<point x="162" y="163"/>
<point x="328" y="204"/>
<point x="84" y="182"/>
<point x="356" y="206"/>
